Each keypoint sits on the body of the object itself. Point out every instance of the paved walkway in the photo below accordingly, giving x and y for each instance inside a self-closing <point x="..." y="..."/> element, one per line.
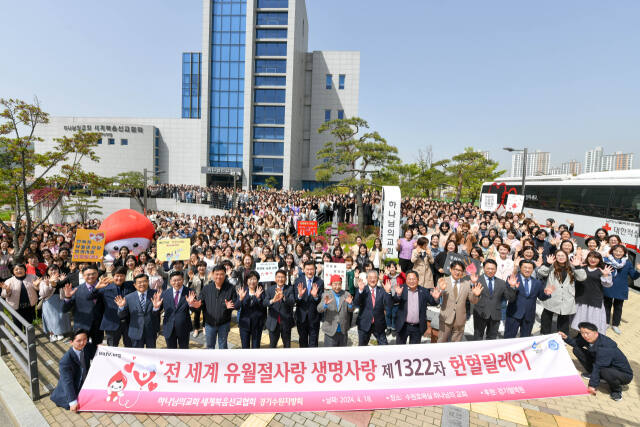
<point x="565" y="411"/>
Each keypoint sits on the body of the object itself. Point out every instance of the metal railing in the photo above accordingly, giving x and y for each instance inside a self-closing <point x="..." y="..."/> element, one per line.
<point x="21" y="345"/>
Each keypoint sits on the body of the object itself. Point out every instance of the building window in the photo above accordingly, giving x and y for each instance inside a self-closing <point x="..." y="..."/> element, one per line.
<point x="268" y="149"/>
<point x="124" y="141"/>
<point x="341" y="81"/>
<point x="329" y="83"/>
<point x="271" y="65"/>
<point x="112" y="141"/>
<point x="268" y="115"/>
<point x="271" y="81"/>
<point x="271" y="34"/>
<point x="258" y="180"/>
<point x="268" y="165"/>
<point x="272" y="18"/>
<point x="268" y="133"/>
<point x="273" y="4"/>
<point x="340" y="114"/>
<point x="100" y="141"/>
<point x="327" y="115"/>
<point x="270" y="95"/>
<point x="271" y="49"/>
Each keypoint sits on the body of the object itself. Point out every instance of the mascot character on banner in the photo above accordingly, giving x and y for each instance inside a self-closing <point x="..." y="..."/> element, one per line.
<point x="129" y="228"/>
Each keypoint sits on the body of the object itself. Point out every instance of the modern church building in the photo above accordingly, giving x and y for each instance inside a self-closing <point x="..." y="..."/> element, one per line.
<point x="252" y="102"/>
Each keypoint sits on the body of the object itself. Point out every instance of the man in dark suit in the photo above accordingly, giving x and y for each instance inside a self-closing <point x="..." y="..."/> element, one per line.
<point x="176" y="325"/>
<point x="87" y="311"/>
<point x="108" y="289"/>
<point x="74" y="366"/>
<point x="521" y="312"/>
<point x="412" y="300"/>
<point x="279" y="300"/>
<point x="308" y="293"/>
<point x="141" y="312"/>
<point x="487" y="311"/>
<point x="372" y="300"/>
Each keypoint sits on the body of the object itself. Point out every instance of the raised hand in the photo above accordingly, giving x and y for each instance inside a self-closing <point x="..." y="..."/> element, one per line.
<point x="361" y="285"/>
<point x="36" y="283"/>
<point x="442" y="284"/>
<point x="348" y="298"/>
<point x="399" y="289"/>
<point x="190" y="273"/>
<point x="387" y="286"/>
<point x="301" y="290"/>
<point x="104" y="282"/>
<point x="314" y="290"/>
<point x="606" y="271"/>
<point x="229" y="304"/>
<point x="156" y="300"/>
<point x="549" y="290"/>
<point x="61" y="277"/>
<point x="436" y="292"/>
<point x="278" y="296"/>
<point x="241" y="293"/>
<point x="120" y="301"/>
<point x="69" y="291"/>
<point x="563" y="335"/>
<point x="476" y="289"/>
<point x="551" y="259"/>
<point x="327" y="299"/>
<point x="513" y="281"/>
<point x="577" y="260"/>
<point x="541" y="250"/>
<point x="259" y="291"/>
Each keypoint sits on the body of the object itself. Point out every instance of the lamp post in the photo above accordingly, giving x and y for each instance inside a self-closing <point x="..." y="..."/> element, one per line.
<point x="524" y="163"/>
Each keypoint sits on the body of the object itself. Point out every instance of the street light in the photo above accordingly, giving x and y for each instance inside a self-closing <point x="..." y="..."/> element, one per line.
<point x="524" y="162"/>
<point x="145" y="187"/>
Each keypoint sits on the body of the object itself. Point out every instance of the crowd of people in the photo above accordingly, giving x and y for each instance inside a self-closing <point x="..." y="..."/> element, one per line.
<point x="513" y="263"/>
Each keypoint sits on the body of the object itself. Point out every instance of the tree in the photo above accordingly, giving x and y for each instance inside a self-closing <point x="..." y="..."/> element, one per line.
<point x="271" y="182"/>
<point x="24" y="171"/>
<point x="83" y="206"/>
<point x="132" y="183"/>
<point x="468" y="170"/>
<point x="355" y="158"/>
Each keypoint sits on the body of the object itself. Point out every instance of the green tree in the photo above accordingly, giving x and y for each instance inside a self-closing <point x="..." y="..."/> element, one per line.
<point x="131" y="183"/>
<point x="24" y="171"/>
<point x="271" y="182"/>
<point x="355" y="158"/>
<point x="468" y="170"/>
<point x="81" y="205"/>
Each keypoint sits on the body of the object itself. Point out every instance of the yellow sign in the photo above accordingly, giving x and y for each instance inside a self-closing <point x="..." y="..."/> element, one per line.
<point x="88" y="246"/>
<point x="173" y="249"/>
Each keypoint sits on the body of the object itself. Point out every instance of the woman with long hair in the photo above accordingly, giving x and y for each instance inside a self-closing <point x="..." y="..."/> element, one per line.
<point x="616" y="295"/>
<point x="590" y="293"/>
<point x="377" y="254"/>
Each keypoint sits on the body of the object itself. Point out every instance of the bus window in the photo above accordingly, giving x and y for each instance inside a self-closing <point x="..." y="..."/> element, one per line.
<point x="570" y="199"/>
<point x="595" y="200"/>
<point x="625" y="203"/>
<point x="542" y="197"/>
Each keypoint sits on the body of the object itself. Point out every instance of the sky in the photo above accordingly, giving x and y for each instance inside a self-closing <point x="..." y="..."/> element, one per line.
<point x="557" y="76"/>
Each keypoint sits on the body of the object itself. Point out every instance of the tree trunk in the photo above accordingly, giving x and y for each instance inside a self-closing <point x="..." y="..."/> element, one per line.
<point x="360" y="210"/>
<point x="459" y="190"/>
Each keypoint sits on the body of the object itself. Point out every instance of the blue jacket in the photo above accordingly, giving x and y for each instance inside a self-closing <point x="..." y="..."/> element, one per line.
<point x="86" y="313"/>
<point x="424" y="299"/>
<point x="282" y="309"/>
<point x="605" y="353"/>
<point x="307" y="306"/>
<point x="71" y="376"/>
<point x="142" y="323"/>
<point x="251" y="311"/>
<point x="620" y="288"/>
<point x="111" y="318"/>
<point x="369" y="313"/>
<point x="524" y="306"/>
<point x="176" y="318"/>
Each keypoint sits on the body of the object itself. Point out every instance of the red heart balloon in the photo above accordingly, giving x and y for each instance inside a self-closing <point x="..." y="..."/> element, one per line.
<point x="141" y="381"/>
<point x="128" y="367"/>
<point x="152" y="386"/>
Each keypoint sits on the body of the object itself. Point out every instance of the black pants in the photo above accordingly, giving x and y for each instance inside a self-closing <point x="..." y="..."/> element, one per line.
<point x="175" y="341"/>
<point x="405" y="265"/>
<point x="617" y="310"/>
<point x="546" y="320"/>
<point x="409" y="331"/>
<point x="364" y="337"/>
<point x="278" y="332"/>
<point x="482" y="325"/>
<point x="113" y="337"/>
<point x="27" y="313"/>
<point x="614" y="377"/>
<point x="197" y="315"/>
<point x="146" y="341"/>
<point x="308" y="334"/>
<point x="250" y="338"/>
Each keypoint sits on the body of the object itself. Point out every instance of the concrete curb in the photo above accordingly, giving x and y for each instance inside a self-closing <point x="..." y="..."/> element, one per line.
<point x="16" y="402"/>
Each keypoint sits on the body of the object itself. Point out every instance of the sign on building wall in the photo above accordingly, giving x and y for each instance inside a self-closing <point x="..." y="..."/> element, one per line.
<point x="390" y="225"/>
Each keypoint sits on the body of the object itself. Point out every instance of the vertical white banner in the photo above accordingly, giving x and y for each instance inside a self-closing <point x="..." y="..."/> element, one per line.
<point x="390" y="224"/>
<point x="488" y="202"/>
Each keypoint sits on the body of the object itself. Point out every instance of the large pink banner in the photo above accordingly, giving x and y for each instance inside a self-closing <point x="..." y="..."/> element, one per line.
<point x="327" y="379"/>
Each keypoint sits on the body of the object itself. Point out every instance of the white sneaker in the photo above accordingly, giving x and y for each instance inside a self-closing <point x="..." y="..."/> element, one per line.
<point x="53" y="338"/>
<point x="195" y="333"/>
<point x="616" y="330"/>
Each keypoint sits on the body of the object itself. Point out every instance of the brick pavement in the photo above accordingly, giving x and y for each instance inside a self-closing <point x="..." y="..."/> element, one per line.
<point x="561" y="412"/>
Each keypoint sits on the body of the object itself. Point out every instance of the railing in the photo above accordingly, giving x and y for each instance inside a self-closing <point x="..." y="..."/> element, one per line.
<point x="21" y="345"/>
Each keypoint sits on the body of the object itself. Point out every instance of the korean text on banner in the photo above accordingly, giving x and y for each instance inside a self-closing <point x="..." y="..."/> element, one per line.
<point x="327" y="378"/>
<point x="174" y="249"/>
<point x="515" y="203"/>
<point x="488" y="202"/>
<point x="307" y="228"/>
<point x="267" y="271"/>
<point x="390" y="225"/>
<point x="88" y="246"/>
<point x="331" y="268"/>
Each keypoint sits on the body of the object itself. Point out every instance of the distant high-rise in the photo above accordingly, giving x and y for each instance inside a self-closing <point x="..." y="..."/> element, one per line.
<point x="617" y="162"/>
<point x="537" y="163"/>
<point x="593" y="160"/>
<point x="571" y="167"/>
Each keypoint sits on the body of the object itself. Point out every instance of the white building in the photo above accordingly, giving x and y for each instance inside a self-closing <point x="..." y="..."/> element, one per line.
<point x="593" y="160"/>
<point x="596" y="161"/>
<point x="537" y="163"/>
<point x="253" y="109"/>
